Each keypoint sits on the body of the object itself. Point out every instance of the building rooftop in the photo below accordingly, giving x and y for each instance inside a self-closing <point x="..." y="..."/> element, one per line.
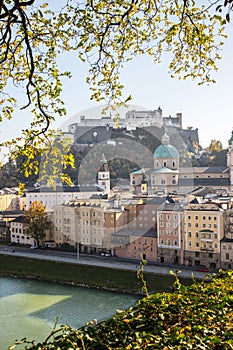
<point x="197" y="182"/>
<point x="21" y="219"/>
<point x="60" y="189"/>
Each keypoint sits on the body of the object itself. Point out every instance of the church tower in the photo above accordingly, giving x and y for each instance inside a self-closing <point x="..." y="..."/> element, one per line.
<point x="165" y="175"/>
<point x="144" y="185"/>
<point x="230" y="159"/>
<point x="103" y="180"/>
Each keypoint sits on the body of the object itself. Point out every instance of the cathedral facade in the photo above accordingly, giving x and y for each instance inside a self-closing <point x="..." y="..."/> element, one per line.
<point x="167" y="177"/>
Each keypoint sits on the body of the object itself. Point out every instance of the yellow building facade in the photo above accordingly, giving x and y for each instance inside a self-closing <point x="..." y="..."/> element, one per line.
<point x="203" y="231"/>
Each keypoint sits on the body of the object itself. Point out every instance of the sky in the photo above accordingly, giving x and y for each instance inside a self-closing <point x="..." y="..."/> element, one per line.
<point x="208" y="108"/>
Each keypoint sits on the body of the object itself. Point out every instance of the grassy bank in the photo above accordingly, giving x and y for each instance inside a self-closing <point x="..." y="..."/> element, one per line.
<point x="84" y="275"/>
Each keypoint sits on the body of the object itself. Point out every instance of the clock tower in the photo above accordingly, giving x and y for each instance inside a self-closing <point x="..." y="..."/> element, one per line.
<point x="103" y="180"/>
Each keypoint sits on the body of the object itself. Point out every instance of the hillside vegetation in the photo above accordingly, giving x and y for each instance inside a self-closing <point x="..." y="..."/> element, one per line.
<point x="199" y="316"/>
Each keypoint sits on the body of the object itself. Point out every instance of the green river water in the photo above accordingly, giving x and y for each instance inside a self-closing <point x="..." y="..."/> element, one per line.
<point x="30" y="308"/>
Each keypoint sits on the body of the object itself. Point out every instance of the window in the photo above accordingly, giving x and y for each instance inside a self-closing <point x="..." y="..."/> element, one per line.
<point x="196" y="234"/>
<point x="189" y="217"/>
<point x="189" y="234"/>
<point x="196" y="224"/>
<point x="227" y="256"/>
<point x="197" y="244"/>
<point x="203" y="217"/>
<point x="189" y="224"/>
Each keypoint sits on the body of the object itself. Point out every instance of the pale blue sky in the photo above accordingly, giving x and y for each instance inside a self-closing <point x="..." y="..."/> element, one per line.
<point x="208" y="108"/>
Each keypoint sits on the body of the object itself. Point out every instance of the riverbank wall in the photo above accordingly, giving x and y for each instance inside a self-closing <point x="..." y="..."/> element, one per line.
<point x="99" y="277"/>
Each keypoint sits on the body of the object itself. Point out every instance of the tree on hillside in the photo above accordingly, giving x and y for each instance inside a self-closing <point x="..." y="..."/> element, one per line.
<point x="215" y="146"/>
<point x="39" y="222"/>
<point x="105" y="34"/>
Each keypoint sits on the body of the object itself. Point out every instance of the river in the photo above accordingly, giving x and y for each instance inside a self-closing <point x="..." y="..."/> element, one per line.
<point x="30" y="308"/>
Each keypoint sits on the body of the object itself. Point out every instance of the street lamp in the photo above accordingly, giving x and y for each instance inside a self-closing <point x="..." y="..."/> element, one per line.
<point x="77" y="249"/>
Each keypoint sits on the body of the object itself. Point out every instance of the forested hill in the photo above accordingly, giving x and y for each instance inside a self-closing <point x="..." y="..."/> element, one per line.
<point x="128" y="159"/>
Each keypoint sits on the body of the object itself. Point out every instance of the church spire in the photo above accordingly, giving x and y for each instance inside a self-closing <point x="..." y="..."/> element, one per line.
<point x="231" y="139"/>
<point x="165" y="138"/>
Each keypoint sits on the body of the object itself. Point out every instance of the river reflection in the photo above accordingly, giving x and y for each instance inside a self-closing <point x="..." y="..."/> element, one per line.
<point x="30" y="308"/>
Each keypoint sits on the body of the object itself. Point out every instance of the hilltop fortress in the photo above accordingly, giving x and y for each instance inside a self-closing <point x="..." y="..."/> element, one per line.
<point x="89" y="131"/>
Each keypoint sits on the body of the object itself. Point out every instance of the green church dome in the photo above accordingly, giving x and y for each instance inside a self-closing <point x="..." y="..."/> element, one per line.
<point x="166" y="152"/>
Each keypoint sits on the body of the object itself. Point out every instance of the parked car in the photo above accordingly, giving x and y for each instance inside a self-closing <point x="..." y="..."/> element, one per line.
<point x="108" y="254"/>
<point x="202" y="268"/>
<point x="34" y="247"/>
<point x="105" y="254"/>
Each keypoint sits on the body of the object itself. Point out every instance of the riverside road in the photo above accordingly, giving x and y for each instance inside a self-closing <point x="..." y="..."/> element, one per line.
<point x="85" y="259"/>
